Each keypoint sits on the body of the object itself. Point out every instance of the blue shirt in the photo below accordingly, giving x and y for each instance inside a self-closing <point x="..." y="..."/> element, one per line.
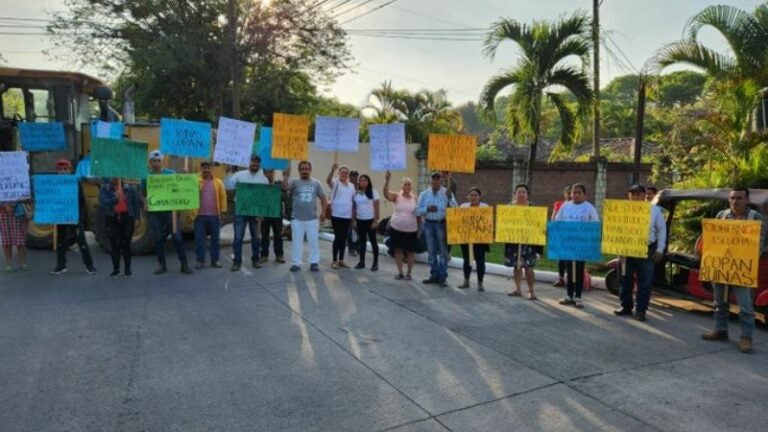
<point x="438" y="199"/>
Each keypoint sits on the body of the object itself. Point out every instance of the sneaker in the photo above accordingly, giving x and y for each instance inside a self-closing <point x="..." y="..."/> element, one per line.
<point x="185" y="268"/>
<point x="745" y="345"/>
<point x="280" y="259"/>
<point x="255" y="264"/>
<point x="335" y="265"/>
<point x="91" y="271"/>
<point x="480" y="287"/>
<point x="215" y="264"/>
<point x="442" y="284"/>
<point x="314" y="267"/>
<point x="360" y="265"/>
<point x="115" y="273"/>
<point x="622" y="311"/>
<point x="464" y="285"/>
<point x="429" y="281"/>
<point x="8" y="269"/>
<point x="58" y="270"/>
<point x="128" y="273"/>
<point x="295" y="268"/>
<point x="375" y="267"/>
<point x="235" y="267"/>
<point x="342" y="264"/>
<point x="24" y="267"/>
<point x="640" y="316"/>
<point x="579" y="305"/>
<point x="566" y="301"/>
<point x="399" y="277"/>
<point x="715" y="335"/>
<point x="263" y="259"/>
<point x="199" y="265"/>
<point x="558" y="283"/>
<point x="161" y="269"/>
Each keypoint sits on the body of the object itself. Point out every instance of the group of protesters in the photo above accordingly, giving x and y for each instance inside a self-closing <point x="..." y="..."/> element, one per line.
<point x="352" y="205"/>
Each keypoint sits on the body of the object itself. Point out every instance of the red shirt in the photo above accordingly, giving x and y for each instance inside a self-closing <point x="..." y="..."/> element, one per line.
<point x="122" y="205"/>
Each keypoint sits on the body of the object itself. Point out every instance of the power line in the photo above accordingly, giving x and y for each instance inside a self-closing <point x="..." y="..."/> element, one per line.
<point x="350" y="9"/>
<point x="432" y="17"/>
<point x="369" y="12"/>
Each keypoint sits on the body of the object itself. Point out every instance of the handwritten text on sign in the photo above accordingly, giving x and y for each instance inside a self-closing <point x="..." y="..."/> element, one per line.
<point x="289" y="136"/>
<point x="577" y="241"/>
<point x="173" y="192"/>
<point x="258" y="200"/>
<point x="469" y="225"/>
<point x="118" y="158"/>
<point x="337" y="134"/>
<point x="185" y="138"/>
<point x="264" y="149"/>
<point x="14" y="176"/>
<point x="56" y="199"/>
<point x="42" y="136"/>
<point x="234" y="142"/>
<point x="731" y="252"/>
<point x="454" y="153"/>
<point x="387" y="147"/>
<point x="625" y="228"/>
<point x="521" y="224"/>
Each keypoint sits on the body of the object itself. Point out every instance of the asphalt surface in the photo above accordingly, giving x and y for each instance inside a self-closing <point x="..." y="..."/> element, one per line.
<point x="352" y="350"/>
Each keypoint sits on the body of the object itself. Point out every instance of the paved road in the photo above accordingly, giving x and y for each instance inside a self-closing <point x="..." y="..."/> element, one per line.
<point x="352" y="350"/>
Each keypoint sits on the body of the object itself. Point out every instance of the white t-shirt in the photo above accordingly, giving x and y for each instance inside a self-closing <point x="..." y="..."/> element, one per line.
<point x="245" y="176"/>
<point x="466" y="204"/>
<point x="341" y="196"/>
<point x="582" y="212"/>
<point x="364" y="205"/>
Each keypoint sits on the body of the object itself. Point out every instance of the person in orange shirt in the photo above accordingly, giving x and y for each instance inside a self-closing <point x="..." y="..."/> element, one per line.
<point x="213" y="204"/>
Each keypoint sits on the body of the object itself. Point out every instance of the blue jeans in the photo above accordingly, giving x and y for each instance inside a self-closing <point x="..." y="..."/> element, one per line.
<point x="644" y="269"/>
<point x="161" y="224"/>
<point x="237" y="245"/>
<point x="204" y="225"/>
<point x="746" y="308"/>
<point x="434" y="233"/>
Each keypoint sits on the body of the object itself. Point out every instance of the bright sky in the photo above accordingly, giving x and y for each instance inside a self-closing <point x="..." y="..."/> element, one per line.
<point x="636" y="30"/>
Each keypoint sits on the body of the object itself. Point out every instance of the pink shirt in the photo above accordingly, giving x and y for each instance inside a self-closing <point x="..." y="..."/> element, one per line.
<point x="208" y="199"/>
<point x="403" y="219"/>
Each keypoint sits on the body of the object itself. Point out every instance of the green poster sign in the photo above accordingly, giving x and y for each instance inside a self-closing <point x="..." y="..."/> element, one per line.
<point x="118" y="158"/>
<point x="173" y="192"/>
<point x="258" y="200"/>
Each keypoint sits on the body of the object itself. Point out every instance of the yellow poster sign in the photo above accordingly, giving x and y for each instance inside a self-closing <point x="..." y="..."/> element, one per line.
<point x="469" y="225"/>
<point x="626" y="226"/>
<point x="731" y="252"/>
<point x="521" y="224"/>
<point x="289" y="136"/>
<point x="454" y="153"/>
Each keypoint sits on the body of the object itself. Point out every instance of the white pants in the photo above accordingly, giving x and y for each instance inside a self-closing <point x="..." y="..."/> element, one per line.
<point x="312" y="229"/>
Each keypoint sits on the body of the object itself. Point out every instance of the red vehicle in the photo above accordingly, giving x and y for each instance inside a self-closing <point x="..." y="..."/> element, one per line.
<point x="678" y="272"/>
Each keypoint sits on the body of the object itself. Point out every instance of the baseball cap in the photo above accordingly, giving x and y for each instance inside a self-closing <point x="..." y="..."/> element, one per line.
<point x="435" y="174"/>
<point x="155" y="155"/>
<point x="63" y="163"/>
<point x="206" y="163"/>
<point x="636" y="188"/>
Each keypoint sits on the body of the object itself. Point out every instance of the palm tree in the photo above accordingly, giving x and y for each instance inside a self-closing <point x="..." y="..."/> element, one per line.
<point x="542" y="73"/>
<point x="745" y="33"/>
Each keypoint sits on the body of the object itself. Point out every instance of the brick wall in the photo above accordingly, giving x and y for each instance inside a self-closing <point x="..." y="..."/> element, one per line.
<point x="495" y="181"/>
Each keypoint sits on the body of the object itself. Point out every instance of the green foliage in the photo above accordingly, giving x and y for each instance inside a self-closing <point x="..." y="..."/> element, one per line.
<point x="191" y="58"/>
<point x="541" y="74"/>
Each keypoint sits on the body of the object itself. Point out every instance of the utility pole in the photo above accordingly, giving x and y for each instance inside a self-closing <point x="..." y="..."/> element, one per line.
<point x="596" y="78"/>
<point x="235" y="64"/>
<point x="639" y="129"/>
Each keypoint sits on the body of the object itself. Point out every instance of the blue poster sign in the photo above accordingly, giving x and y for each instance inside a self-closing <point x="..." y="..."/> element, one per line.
<point x="56" y="199"/>
<point x="576" y="241"/>
<point x="185" y="138"/>
<point x="42" y="136"/>
<point x="264" y="149"/>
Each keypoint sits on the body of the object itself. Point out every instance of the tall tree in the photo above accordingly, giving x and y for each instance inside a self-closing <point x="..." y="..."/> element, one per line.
<point x="542" y="72"/>
<point x="192" y="58"/>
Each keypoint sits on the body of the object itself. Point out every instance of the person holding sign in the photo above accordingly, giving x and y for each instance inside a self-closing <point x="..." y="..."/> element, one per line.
<point x="161" y="223"/>
<point x="521" y="256"/>
<point x="14" y="219"/>
<point x="253" y="175"/>
<point x="576" y="210"/>
<point x="403" y="225"/>
<point x="120" y="206"/>
<point x="643" y="267"/>
<point x="304" y="192"/>
<point x="67" y="235"/>
<point x="738" y="200"/>
<point x="431" y="206"/>
<point x="478" y="250"/>
<point x="274" y="224"/>
<point x="213" y="204"/>
<point x="366" y="219"/>
<point x="342" y="192"/>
